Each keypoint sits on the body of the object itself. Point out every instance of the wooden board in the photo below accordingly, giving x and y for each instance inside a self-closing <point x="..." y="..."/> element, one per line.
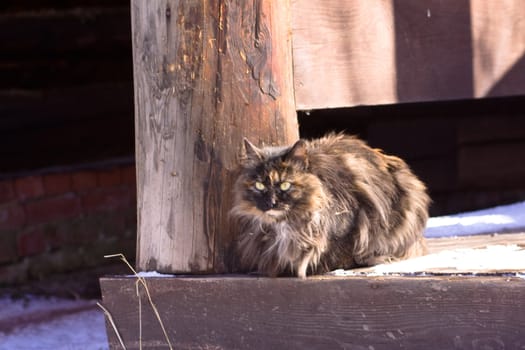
<point x="319" y="313"/>
<point x="492" y="165"/>
<point x="349" y="53"/>
<point x="58" y="126"/>
<point x="436" y="245"/>
<point x="498" y="254"/>
<point x="65" y="76"/>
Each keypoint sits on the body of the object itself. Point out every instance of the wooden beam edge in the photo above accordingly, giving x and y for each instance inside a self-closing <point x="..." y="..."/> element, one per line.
<point x="241" y="312"/>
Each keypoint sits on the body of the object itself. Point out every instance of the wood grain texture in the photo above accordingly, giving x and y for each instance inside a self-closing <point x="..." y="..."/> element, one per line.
<point x="436" y="245"/>
<point x="321" y="313"/>
<point x="344" y="53"/>
<point x="498" y="45"/>
<point x="207" y="74"/>
<point x="406" y="51"/>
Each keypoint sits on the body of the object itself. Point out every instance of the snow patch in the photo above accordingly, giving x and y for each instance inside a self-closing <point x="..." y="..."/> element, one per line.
<point x="505" y="218"/>
<point x="51" y="323"/>
<point x="152" y="274"/>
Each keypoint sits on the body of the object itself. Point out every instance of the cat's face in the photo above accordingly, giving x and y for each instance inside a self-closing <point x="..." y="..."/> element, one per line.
<point x="273" y="189"/>
<point x="275" y="185"/>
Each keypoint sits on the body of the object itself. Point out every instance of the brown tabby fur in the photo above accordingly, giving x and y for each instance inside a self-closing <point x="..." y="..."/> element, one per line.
<point x="348" y="205"/>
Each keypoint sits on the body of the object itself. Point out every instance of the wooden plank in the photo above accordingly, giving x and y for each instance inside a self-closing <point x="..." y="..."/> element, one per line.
<point x="207" y="74"/>
<point x="501" y="126"/>
<point x="498" y="47"/>
<point x="9" y="6"/>
<point x="436" y="245"/>
<point x="446" y="202"/>
<point x="417" y="138"/>
<point x="348" y="53"/>
<point x="49" y="32"/>
<point x="433" y="50"/>
<point x="319" y="313"/>
<point x="37" y="72"/>
<point x="498" y="254"/>
<point x="58" y="126"/>
<point x="437" y="173"/>
<point x="26" y="109"/>
<point x="344" y="53"/>
<point x="498" y="165"/>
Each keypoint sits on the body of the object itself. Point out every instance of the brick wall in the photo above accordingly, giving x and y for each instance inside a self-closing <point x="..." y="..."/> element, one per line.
<point x="66" y="220"/>
<point x="66" y="76"/>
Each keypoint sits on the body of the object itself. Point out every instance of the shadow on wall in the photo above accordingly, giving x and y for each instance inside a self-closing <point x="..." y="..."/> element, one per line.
<point x="437" y="61"/>
<point x="513" y="77"/>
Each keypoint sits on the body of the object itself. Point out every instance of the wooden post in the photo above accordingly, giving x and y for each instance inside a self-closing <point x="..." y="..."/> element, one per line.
<point x="207" y="73"/>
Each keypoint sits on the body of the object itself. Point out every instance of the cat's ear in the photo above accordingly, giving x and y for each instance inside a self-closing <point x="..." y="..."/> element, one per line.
<point x="253" y="154"/>
<point x="298" y="153"/>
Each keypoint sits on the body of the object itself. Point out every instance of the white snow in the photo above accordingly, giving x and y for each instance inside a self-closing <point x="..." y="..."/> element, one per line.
<point x="500" y="219"/>
<point x="505" y="259"/>
<point x="53" y="323"/>
<point x="508" y="259"/>
<point x="151" y="274"/>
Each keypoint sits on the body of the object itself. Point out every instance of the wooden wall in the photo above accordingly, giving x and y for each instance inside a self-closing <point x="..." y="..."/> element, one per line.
<point x="406" y="51"/>
<point x="468" y="152"/>
<point x="66" y="93"/>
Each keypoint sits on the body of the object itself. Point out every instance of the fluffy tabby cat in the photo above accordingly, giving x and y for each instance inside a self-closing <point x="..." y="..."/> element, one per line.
<point x="326" y="204"/>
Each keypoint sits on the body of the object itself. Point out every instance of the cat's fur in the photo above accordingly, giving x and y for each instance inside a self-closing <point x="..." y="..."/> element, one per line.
<point x="348" y="205"/>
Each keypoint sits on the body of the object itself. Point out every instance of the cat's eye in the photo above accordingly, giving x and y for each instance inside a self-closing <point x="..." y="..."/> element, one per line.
<point x="259" y="186"/>
<point x="285" y="186"/>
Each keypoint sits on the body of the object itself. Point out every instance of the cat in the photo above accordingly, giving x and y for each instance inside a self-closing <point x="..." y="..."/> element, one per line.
<point x="326" y="204"/>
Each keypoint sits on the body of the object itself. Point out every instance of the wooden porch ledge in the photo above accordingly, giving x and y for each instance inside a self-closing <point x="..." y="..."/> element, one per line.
<point x="320" y="313"/>
<point x="488" y="254"/>
<point x="325" y="312"/>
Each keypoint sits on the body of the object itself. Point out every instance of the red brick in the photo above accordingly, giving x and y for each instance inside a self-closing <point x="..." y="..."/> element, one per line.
<point x="108" y="178"/>
<point x="128" y="175"/>
<point x="79" y="232"/>
<point x="31" y="243"/>
<point x="57" y="183"/>
<point x="7" y="191"/>
<point x="84" y="180"/>
<point x="12" y="216"/>
<point x="106" y="200"/>
<point x="29" y="187"/>
<point x="13" y="273"/>
<point x="53" y="208"/>
<point x="7" y="246"/>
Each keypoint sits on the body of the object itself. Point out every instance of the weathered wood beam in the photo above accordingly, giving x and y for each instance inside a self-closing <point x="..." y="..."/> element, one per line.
<point x="207" y="73"/>
<point x="319" y="313"/>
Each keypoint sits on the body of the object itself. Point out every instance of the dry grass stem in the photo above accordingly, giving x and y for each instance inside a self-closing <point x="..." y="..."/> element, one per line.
<point x="140" y="313"/>
<point x="142" y="281"/>
<point x="110" y="319"/>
